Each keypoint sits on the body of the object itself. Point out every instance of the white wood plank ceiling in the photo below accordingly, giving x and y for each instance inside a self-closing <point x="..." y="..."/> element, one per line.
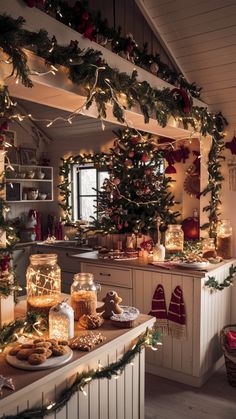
<point x="201" y="36"/>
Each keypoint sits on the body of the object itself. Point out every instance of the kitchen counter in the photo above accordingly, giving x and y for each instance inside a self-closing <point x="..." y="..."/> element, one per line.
<point x="34" y="388"/>
<point x="139" y="263"/>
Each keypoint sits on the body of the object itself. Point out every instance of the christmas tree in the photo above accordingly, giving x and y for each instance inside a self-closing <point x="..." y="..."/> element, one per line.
<point x="137" y="191"/>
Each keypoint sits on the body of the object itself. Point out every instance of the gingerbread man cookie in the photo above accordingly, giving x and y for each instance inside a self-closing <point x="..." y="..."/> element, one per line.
<point x="111" y="305"/>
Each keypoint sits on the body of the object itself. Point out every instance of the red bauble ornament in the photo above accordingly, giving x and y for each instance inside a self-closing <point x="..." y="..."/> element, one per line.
<point x="145" y="158"/>
<point x="116" y="181"/>
<point x="191" y="228"/>
<point x="119" y="226"/>
<point x="131" y="154"/>
<point x="126" y="224"/>
<point x="134" y="140"/>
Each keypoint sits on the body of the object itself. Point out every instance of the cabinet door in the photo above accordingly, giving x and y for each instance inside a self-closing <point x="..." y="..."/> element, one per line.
<point x="124" y="293"/>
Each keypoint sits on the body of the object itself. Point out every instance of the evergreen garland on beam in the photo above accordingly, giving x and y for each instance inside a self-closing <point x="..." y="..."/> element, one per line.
<point x="213" y="284"/>
<point x="110" y="85"/>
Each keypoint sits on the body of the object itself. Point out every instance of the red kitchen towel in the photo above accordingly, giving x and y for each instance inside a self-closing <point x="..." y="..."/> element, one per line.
<point x="159" y="309"/>
<point x="176" y="315"/>
<point x="231" y="339"/>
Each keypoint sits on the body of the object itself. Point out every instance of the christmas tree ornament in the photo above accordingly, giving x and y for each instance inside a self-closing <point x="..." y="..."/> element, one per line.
<point x="192" y="186"/>
<point x="128" y="163"/>
<point x="116" y="181"/>
<point x="61" y="322"/>
<point x="7" y="383"/>
<point x="145" y="158"/>
<point x="231" y="145"/>
<point x="131" y="154"/>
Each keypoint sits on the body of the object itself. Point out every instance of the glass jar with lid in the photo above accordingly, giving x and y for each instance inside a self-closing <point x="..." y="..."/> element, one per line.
<point x="84" y="294"/>
<point x="174" y="239"/>
<point x="224" y="239"/>
<point x="43" y="278"/>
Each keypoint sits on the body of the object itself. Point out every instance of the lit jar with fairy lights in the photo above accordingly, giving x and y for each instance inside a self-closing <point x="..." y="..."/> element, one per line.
<point x="174" y="239"/>
<point x="61" y="322"/>
<point x="43" y="283"/>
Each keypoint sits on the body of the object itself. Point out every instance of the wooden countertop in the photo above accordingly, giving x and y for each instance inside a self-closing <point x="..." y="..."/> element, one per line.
<point x="141" y="264"/>
<point x="24" y="379"/>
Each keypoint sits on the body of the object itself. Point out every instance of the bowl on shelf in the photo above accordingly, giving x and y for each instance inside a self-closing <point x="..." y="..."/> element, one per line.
<point x="40" y="175"/>
<point x="42" y="196"/>
<point x="30" y="174"/>
<point x="32" y="194"/>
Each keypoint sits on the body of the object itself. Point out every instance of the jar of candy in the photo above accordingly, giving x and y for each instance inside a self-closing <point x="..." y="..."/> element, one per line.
<point x="84" y="294"/>
<point x="224" y="239"/>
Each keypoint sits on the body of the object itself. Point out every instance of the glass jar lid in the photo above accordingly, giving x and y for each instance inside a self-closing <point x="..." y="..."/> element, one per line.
<point x="43" y="259"/>
<point x="84" y="277"/>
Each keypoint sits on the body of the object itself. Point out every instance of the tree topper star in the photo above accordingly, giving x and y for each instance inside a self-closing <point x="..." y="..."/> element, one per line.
<point x="6" y="382"/>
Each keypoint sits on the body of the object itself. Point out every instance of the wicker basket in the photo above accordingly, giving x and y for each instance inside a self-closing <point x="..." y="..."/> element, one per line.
<point x="230" y="355"/>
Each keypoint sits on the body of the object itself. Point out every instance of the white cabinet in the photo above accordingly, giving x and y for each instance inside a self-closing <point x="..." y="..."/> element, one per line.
<point x="192" y="360"/>
<point x="110" y="278"/>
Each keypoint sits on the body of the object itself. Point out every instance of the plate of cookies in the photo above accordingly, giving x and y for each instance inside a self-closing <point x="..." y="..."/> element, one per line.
<point x="39" y="354"/>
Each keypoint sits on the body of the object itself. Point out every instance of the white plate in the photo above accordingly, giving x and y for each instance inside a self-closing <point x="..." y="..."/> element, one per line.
<point x="193" y="265"/>
<point x="49" y="363"/>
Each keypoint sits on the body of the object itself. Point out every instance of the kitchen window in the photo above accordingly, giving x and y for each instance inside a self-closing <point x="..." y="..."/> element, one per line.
<point x="86" y="181"/>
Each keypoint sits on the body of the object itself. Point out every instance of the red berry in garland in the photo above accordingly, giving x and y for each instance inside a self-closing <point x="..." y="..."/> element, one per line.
<point x="131" y="154"/>
<point x="126" y="224"/>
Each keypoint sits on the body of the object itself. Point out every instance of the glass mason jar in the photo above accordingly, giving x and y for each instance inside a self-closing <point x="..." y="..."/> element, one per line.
<point x="84" y="294"/>
<point x="43" y="278"/>
<point x="174" y="239"/>
<point x="208" y="248"/>
<point x="224" y="239"/>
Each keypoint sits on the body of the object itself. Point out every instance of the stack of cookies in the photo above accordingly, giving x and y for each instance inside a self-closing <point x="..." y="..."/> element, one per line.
<point x="39" y="350"/>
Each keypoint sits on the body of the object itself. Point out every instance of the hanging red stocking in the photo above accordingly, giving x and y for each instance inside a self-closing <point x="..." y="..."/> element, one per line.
<point x="176" y="315"/>
<point x="159" y="309"/>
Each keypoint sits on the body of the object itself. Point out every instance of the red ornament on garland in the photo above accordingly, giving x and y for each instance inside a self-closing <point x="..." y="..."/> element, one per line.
<point x="231" y="145"/>
<point x="134" y="140"/>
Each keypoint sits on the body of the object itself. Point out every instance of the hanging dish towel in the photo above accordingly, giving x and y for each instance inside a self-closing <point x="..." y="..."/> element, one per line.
<point x="176" y="315"/>
<point x="159" y="309"/>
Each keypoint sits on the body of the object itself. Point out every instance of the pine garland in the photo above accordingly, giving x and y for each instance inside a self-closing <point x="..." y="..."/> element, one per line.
<point x="213" y="284"/>
<point x="32" y="323"/>
<point x="110" y="84"/>
<point x="150" y="338"/>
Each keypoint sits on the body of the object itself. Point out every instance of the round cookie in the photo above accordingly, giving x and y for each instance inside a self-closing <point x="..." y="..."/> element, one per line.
<point x="23" y="354"/>
<point x="48" y="353"/>
<point x="36" y="359"/>
<point x="59" y="350"/>
<point x="27" y="346"/>
<point x="43" y="345"/>
<point x="39" y="350"/>
<point x="63" y="342"/>
<point x="38" y="341"/>
<point x="13" y="351"/>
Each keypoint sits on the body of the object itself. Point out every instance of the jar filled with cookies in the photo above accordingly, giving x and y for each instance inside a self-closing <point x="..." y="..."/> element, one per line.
<point x="224" y="239"/>
<point x="84" y="295"/>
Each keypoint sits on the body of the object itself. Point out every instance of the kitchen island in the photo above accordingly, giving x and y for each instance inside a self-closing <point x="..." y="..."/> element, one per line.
<point x="122" y="398"/>
<point x="193" y="360"/>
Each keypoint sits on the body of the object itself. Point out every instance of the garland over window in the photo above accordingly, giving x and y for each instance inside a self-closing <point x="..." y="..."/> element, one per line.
<point x="106" y="85"/>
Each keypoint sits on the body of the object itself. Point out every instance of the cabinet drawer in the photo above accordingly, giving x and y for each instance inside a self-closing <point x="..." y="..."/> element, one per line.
<point x="109" y="275"/>
<point x="124" y="293"/>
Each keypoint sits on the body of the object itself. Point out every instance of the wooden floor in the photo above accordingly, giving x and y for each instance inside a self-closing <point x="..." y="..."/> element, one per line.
<point x="170" y="400"/>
